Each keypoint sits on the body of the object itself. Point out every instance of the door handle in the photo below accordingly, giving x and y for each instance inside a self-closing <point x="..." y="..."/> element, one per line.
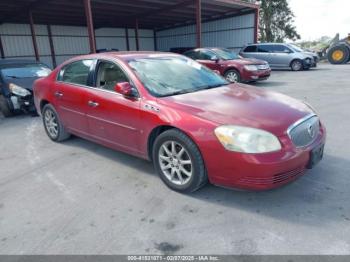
<point x="93" y="104"/>
<point x="58" y="94"/>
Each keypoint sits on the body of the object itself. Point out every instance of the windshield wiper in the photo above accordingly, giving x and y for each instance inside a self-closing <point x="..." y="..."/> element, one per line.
<point x="13" y="77"/>
<point x="211" y="86"/>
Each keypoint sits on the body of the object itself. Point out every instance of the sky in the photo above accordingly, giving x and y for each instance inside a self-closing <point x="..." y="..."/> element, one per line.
<point x="316" y="18"/>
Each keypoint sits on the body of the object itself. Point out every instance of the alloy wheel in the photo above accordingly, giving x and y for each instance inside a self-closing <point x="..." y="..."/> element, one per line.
<point x="51" y="123"/>
<point x="175" y="162"/>
<point x="232" y="77"/>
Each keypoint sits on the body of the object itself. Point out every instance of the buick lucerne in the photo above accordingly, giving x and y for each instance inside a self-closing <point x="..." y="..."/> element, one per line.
<point x="193" y="124"/>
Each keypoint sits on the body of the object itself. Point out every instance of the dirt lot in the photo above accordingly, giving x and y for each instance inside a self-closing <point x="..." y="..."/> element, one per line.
<point x="81" y="198"/>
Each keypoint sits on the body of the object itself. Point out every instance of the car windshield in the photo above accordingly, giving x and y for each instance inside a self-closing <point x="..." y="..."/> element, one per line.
<point x="167" y="76"/>
<point x="295" y="48"/>
<point x="26" y="71"/>
<point x="226" y="54"/>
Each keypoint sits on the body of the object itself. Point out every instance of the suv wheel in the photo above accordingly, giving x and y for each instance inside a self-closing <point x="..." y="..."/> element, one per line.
<point x="4" y="107"/>
<point x="178" y="161"/>
<point x="296" y="65"/>
<point x="53" y="126"/>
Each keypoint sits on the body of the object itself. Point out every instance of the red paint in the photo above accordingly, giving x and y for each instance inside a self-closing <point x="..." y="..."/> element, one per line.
<point x="126" y="124"/>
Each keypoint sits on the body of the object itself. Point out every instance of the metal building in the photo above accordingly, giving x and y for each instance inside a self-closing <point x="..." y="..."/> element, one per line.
<point x="54" y="30"/>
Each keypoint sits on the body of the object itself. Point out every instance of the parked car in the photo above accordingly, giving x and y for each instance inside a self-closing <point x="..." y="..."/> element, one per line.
<point x="193" y="124"/>
<point x="314" y="55"/>
<point x="230" y="65"/>
<point x="16" y="82"/>
<point x="279" y="56"/>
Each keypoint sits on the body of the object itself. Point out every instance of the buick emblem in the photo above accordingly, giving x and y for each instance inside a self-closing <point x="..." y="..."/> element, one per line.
<point x="311" y="131"/>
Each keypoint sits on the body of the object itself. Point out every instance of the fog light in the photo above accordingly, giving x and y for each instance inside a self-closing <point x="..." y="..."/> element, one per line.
<point x="254" y="77"/>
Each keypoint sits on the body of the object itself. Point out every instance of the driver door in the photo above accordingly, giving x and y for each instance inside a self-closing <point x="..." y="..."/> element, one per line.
<point x="112" y="118"/>
<point x="207" y="58"/>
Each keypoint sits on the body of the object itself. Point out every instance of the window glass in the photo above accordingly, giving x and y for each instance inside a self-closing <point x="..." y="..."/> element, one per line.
<point x="192" y="54"/>
<point x="76" y="72"/>
<point x="167" y="76"/>
<point x="281" y="49"/>
<point x="205" y="55"/>
<point x="226" y="54"/>
<point x="108" y="75"/>
<point x="265" y="48"/>
<point x="250" y="49"/>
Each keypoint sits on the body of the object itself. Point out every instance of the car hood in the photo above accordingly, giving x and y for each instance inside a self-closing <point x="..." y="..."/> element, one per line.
<point x="26" y="83"/>
<point x="244" y="105"/>
<point x="245" y="61"/>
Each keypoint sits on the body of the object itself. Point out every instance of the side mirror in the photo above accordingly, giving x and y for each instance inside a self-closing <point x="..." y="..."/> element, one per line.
<point x="125" y="89"/>
<point x="214" y="58"/>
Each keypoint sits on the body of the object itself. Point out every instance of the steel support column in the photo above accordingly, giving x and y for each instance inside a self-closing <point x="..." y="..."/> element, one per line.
<point x="52" y="48"/>
<point x="198" y="23"/>
<point x="256" y="25"/>
<point x="137" y="34"/>
<point x="2" y="53"/>
<point x="127" y="39"/>
<point x="90" y="25"/>
<point x="155" y="40"/>
<point x="32" y="29"/>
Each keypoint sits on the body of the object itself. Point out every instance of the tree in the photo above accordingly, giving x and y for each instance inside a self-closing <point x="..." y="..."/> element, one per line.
<point x="276" y="21"/>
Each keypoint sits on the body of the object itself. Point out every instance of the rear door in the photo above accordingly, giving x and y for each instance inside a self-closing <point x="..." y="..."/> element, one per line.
<point x="281" y="56"/>
<point x="113" y="118"/>
<point x="264" y="52"/>
<point x="70" y="94"/>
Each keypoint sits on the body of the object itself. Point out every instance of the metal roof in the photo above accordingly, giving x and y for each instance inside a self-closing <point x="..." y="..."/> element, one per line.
<point x="152" y="14"/>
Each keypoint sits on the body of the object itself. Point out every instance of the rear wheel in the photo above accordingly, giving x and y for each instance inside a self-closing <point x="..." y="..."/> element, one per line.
<point x="339" y="55"/>
<point x="296" y="65"/>
<point x="4" y="107"/>
<point x="232" y="76"/>
<point x="178" y="161"/>
<point x="53" y="125"/>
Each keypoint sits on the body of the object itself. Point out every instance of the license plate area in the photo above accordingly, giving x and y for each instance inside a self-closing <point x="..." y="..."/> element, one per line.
<point x="316" y="156"/>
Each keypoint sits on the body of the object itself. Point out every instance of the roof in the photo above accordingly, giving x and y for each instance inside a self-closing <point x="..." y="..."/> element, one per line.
<point x="152" y="14"/>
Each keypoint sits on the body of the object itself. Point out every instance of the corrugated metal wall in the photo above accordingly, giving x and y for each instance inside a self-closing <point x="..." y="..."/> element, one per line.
<point x="68" y="41"/>
<point x="233" y="32"/>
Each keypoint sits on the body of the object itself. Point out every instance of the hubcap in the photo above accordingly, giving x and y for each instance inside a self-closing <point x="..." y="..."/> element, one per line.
<point x="232" y="77"/>
<point x="338" y="55"/>
<point x="175" y="162"/>
<point x="296" y="65"/>
<point x="51" y="123"/>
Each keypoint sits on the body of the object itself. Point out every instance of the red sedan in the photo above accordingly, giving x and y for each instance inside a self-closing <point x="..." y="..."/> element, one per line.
<point x="193" y="124"/>
<point x="230" y="65"/>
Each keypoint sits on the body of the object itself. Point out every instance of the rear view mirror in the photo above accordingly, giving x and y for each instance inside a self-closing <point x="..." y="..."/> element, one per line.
<point x="125" y="89"/>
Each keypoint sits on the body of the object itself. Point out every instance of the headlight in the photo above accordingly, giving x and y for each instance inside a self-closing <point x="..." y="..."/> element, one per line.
<point x="246" y="139"/>
<point x="251" y="67"/>
<point x="17" y="90"/>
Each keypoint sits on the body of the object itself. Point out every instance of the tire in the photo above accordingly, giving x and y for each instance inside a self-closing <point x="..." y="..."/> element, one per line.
<point x="53" y="125"/>
<point x="183" y="172"/>
<point x="338" y="55"/>
<point x="233" y="76"/>
<point x="296" y="65"/>
<point x="4" y="107"/>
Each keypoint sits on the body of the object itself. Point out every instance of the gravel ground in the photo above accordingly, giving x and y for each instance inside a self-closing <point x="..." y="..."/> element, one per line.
<point x="81" y="198"/>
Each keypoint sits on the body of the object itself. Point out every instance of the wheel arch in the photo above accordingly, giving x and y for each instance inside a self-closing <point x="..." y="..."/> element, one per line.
<point x="232" y="68"/>
<point x="154" y="134"/>
<point x="43" y="103"/>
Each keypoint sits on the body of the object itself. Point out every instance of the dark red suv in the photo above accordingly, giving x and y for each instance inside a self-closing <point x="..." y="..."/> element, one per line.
<point x="230" y="65"/>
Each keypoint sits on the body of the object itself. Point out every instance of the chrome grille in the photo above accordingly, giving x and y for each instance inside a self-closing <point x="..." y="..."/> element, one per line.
<point x="304" y="131"/>
<point x="263" y="67"/>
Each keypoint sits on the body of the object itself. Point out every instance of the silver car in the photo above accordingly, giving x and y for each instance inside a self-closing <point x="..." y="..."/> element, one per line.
<point x="280" y="56"/>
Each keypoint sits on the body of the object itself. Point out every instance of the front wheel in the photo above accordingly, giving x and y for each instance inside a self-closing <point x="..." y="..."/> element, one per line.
<point x="296" y="65"/>
<point x="178" y="161"/>
<point x="232" y="76"/>
<point x="53" y="125"/>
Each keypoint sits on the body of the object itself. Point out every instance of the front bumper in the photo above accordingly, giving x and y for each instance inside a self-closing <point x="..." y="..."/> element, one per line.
<point x="25" y="104"/>
<point x="260" y="171"/>
<point x="249" y="76"/>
